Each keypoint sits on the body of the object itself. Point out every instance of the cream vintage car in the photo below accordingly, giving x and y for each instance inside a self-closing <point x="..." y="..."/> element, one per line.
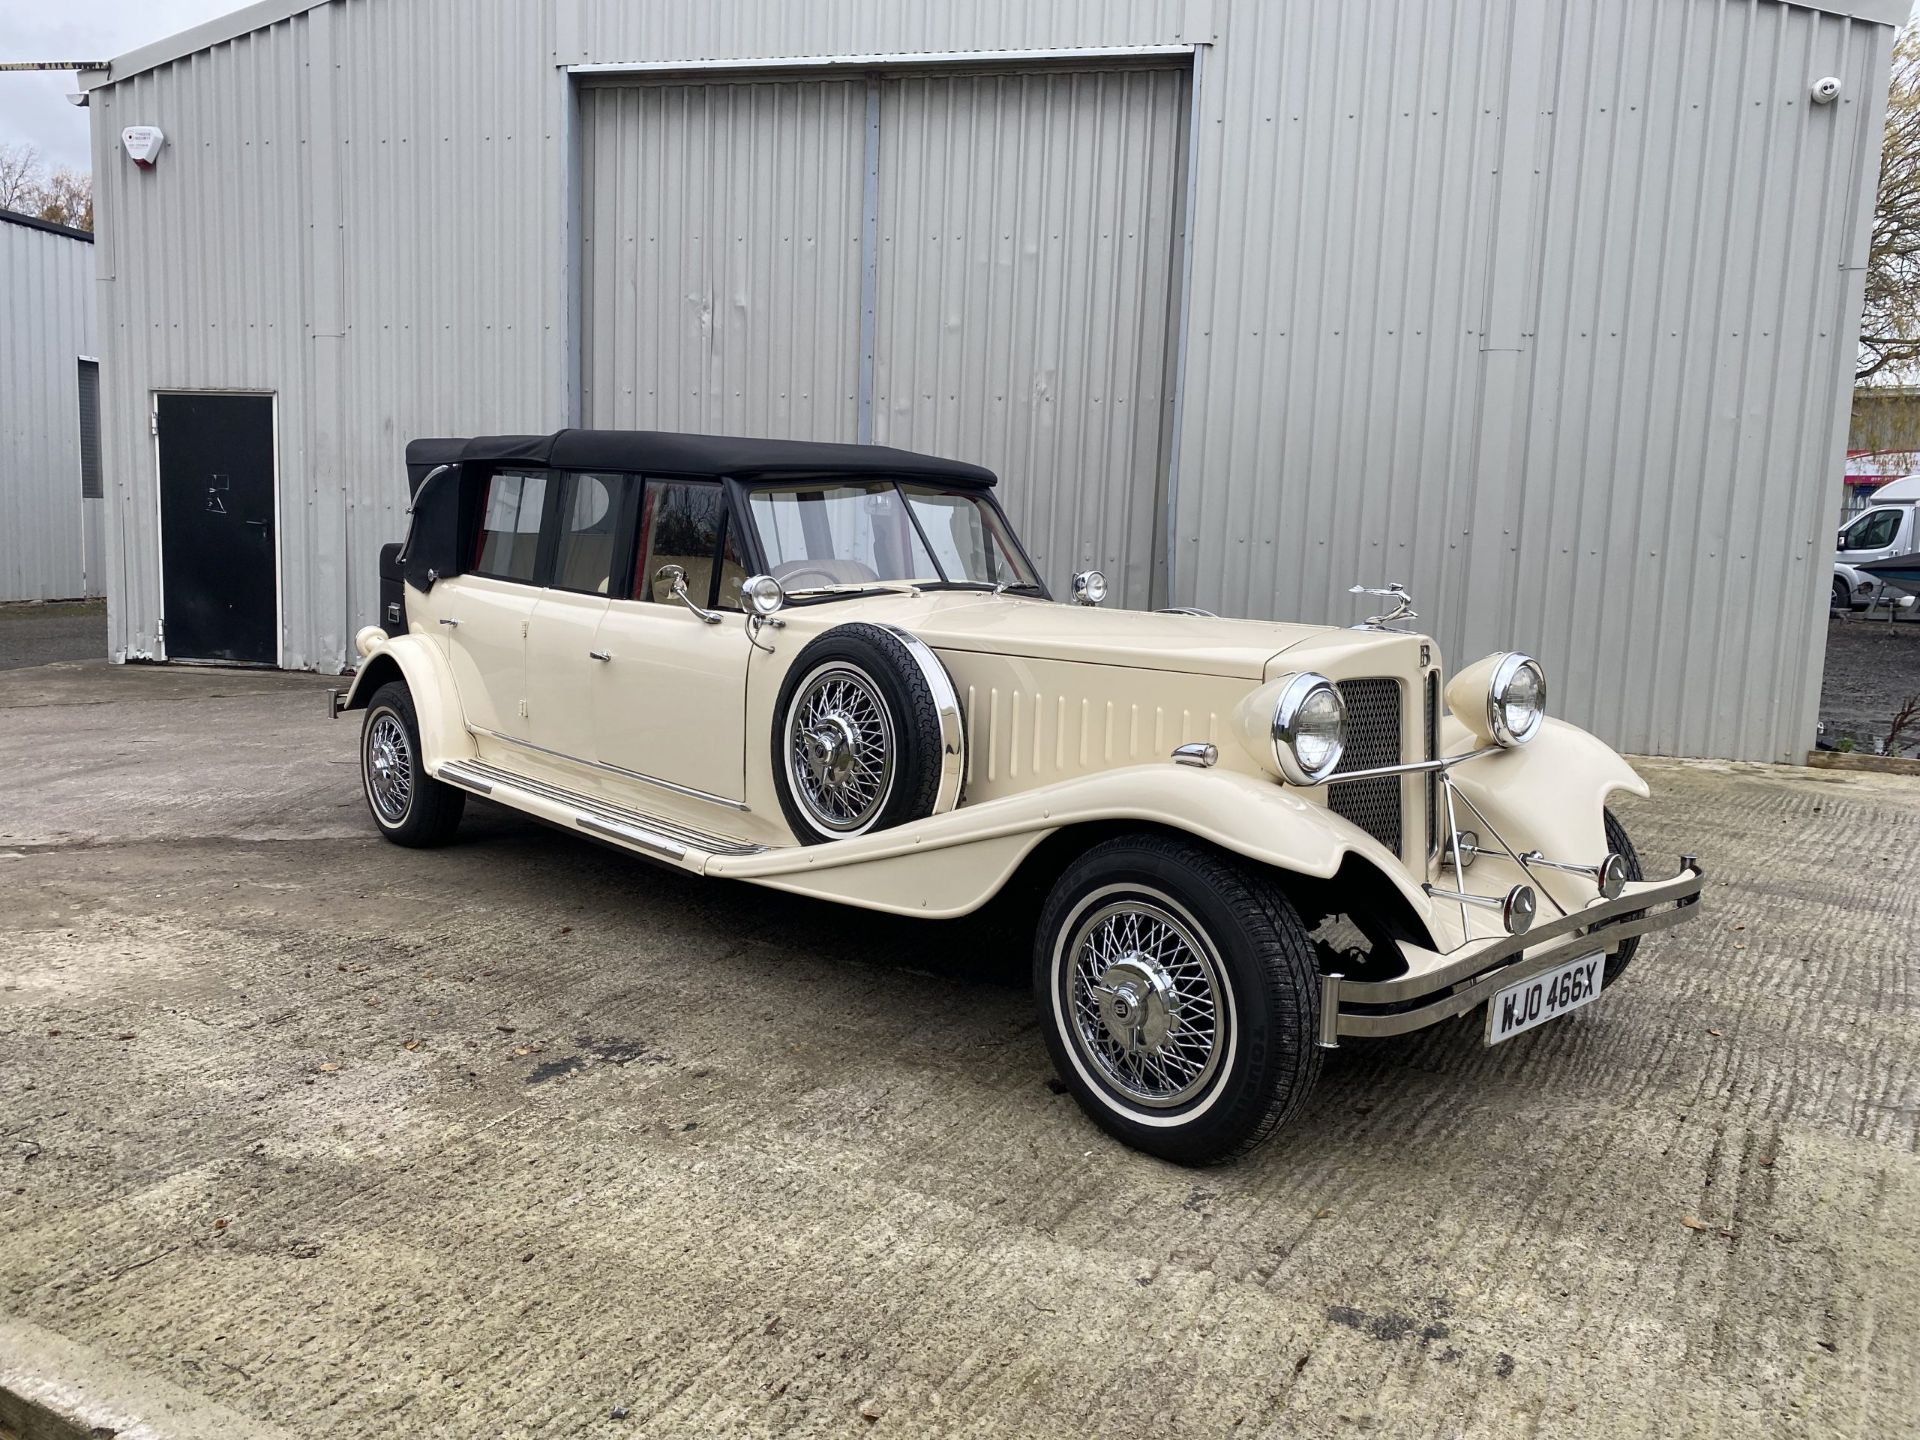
<point x="833" y="669"/>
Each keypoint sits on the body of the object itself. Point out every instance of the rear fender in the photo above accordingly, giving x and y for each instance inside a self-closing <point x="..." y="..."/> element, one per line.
<point x="952" y="864"/>
<point x="436" y="705"/>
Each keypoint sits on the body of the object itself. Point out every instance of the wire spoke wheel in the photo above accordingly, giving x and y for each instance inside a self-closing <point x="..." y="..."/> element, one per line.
<point x="1143" y="988"/>
<point x="840" y="749"/>
<point x="388" y="761"/>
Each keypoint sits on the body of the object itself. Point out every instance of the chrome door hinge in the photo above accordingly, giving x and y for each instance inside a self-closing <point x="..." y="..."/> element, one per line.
<point x="523" y="709"/>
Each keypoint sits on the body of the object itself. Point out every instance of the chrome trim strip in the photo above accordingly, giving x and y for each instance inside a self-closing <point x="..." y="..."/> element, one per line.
<point x="633" y="835"/>
<point x="454" y="776"/>
<point x="946" y="700"/>
<point x="1683" y="891"/>
<point x="677" y="789"/>
<point x="1477" y="993"/>
<point x="469" y="772"/>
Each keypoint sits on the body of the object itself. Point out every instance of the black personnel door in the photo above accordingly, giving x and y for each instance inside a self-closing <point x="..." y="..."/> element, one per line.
<point x="217" y="545"/>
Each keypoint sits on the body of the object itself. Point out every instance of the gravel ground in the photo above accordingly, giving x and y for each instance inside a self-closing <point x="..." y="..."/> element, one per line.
<point x="1872" y="666"/>
<point x="42" y="634"/>
<point x="524" y="1138"/>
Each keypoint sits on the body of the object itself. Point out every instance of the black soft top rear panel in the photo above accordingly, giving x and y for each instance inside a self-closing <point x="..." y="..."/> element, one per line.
<point x="440" y="508"/>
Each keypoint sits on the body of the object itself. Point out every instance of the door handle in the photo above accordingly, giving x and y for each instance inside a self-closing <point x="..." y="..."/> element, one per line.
<point x="446" y="621"/>
<point x="598" y="655"/>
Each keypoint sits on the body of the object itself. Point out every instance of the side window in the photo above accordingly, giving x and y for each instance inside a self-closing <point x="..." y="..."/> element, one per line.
<point x="508" y="546"/>
<point x="733" y="570"/>
<point x="1873" y="530"/>
<point x="590" y="514"/>
<point x="680" y="523"/>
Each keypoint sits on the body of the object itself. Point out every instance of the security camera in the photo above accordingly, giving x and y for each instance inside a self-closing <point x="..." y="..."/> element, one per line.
<point x="1826" y="90"/>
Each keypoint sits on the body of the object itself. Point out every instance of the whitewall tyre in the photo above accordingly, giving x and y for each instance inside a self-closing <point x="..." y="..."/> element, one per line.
<point x="1179" y="994"/>
<point x="409" y="805"/>
<point x="866" y="735"/>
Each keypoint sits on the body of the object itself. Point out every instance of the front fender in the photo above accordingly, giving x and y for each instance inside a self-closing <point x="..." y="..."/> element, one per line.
<point x="951" y="864"/>
<point x="1548" y="795"/>
<point x="436" y="704"/>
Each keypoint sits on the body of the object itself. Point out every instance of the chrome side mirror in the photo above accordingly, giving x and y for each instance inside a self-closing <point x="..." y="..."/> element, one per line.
<point x="1089" y="588"/>
<point x="675" y="579"/>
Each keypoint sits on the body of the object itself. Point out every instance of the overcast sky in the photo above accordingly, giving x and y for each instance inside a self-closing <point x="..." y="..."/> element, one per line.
<point x="34" y="108"/>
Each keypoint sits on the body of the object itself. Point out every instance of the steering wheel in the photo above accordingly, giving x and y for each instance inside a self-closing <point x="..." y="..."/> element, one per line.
<point x="830" y="572"/>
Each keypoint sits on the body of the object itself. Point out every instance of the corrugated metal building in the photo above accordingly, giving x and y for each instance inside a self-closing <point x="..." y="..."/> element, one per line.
<point x="52" y="516"/>
<point x="1545" y="307"/>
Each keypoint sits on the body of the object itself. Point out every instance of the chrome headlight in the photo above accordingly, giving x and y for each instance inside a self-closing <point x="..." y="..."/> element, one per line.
<point x="1309" y="725"/>
<point x="1516" y="700"/>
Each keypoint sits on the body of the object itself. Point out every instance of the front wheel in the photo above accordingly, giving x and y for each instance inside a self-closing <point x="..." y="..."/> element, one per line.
<point x="410" y="806"/>
<point x="1179" y="995"/>
<point x="1619" y="843"/>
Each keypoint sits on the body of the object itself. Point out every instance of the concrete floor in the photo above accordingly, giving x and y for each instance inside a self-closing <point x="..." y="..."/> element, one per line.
<point x="316" y="1136"/>
<point x="37" y="634"/>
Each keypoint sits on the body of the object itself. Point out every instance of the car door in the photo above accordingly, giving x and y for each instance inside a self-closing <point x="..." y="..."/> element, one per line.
<point x="484" y="611"/>
<point x="668" y="701"/>
<point x="592" y="543"/>
<point x="1873" y="536"/>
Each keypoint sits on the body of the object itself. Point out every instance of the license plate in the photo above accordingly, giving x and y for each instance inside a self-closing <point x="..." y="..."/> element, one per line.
<point x="1545" y="997"/>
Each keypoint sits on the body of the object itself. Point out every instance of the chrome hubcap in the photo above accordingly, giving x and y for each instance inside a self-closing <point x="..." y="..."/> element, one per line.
<point x="389" y="766"/>
<point x="840" y="749"/>
<point x="1143" y="989"/>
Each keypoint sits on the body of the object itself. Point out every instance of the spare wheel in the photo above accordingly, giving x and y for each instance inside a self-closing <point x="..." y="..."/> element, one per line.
<point x="867" y="734"/>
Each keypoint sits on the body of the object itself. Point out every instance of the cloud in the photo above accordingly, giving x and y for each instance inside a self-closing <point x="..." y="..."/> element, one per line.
<point x="33" y="106"/>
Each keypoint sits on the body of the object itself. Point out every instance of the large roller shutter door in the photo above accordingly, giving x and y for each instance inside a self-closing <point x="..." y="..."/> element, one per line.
<point x="1029" y="229"/>
<point x="721" y="257"/>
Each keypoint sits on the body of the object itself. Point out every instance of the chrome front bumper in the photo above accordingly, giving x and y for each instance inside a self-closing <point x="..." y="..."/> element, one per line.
<point x="1465" y="979"/>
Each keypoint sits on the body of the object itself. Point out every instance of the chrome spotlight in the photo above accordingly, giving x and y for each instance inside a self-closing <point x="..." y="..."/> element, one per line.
<point x="1089" y="588"/>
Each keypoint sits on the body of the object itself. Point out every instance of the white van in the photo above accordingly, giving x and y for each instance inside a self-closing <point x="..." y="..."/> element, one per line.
<point x="1888" y="526"/>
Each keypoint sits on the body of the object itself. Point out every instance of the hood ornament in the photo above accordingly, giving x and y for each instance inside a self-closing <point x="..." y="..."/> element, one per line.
<point x="1402" y="606"/>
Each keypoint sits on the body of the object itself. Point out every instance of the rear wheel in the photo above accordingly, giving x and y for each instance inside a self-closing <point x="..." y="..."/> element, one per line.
<point x="1619" y="843"/>
<point x="409" y="805"/>
<point x="1179" y="996"/>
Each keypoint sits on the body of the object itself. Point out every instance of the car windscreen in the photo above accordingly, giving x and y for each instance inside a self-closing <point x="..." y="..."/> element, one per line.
<point x="818" y="534"/>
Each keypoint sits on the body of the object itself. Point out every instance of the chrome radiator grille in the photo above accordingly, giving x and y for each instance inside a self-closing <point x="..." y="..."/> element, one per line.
<point x="1373" y="740"/>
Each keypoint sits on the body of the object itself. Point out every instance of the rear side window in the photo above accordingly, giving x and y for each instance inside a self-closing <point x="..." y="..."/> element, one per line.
<point x="590" y="514"/>
<point x="684" y="523"/>
<point x="508" y="547"/>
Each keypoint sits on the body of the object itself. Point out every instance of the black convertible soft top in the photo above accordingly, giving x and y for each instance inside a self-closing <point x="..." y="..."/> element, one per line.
<point x="665" y="453"/>
<point x="433" y="543"/>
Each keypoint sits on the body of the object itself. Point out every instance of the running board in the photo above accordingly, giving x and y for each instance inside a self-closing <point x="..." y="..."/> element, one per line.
<point x="666" y="839"/>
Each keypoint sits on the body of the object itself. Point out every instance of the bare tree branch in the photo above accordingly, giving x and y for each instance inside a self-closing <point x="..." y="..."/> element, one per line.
<point x="1890" y="316"/>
